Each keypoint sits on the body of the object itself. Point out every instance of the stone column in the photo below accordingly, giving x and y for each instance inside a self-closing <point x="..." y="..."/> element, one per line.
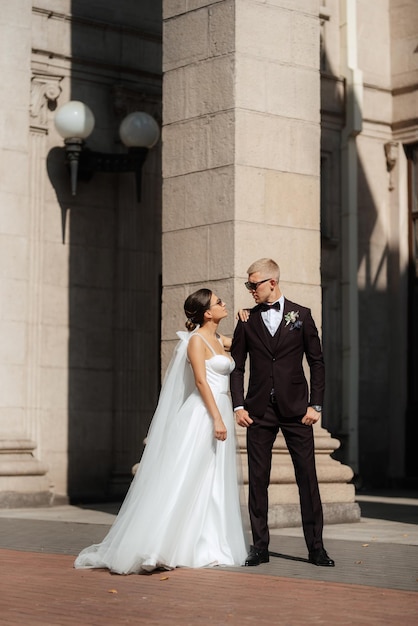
<point x="23" y="479"/>
<point x="241" y="159"/>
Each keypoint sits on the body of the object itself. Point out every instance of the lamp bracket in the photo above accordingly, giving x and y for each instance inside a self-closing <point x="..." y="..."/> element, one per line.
<point x="83" y="163"/>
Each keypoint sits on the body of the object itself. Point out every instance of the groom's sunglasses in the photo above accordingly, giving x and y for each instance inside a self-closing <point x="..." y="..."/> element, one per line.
<point x="254" y="286"/>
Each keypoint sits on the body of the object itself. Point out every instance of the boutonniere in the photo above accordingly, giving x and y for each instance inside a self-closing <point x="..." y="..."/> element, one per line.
<point x="292" y="319"/>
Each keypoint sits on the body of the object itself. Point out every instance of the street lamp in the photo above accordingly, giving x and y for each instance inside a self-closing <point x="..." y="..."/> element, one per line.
<point x="138" y="131"/>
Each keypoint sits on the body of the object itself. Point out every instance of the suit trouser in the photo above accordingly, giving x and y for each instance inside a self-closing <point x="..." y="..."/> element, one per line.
<point x="300" y="443"/>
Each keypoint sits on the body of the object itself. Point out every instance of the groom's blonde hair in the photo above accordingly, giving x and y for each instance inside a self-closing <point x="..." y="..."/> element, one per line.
<point x="267" y="268"/>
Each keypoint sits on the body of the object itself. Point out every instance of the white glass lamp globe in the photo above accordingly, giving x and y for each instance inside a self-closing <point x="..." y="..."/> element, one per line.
<point x="74" y="120"/>
<point x="139" y="130"/>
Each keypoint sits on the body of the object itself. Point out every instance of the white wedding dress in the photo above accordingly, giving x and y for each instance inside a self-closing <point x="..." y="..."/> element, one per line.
<point x="183" y="506"/>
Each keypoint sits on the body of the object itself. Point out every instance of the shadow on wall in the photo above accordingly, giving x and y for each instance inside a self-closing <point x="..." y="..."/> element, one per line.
<point x="379" y="279"/>
<point x="114" y="247"/>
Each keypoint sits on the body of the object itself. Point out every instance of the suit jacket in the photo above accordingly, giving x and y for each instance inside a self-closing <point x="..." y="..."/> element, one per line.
<point x="278" y="364"/>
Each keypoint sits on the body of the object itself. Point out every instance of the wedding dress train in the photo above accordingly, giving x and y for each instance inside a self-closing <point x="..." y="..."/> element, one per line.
<point x="183" y="506"/>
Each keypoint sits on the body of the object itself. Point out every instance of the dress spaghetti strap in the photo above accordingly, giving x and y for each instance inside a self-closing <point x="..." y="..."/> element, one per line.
<point x="208" y="344"/>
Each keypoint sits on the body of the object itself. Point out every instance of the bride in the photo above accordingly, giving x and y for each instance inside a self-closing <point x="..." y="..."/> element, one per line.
<point x="183" y="507"/>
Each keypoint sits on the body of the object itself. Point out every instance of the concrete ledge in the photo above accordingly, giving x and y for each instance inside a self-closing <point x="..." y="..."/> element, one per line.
<point x="288" y="515"/>
<point x="16" y="499"/>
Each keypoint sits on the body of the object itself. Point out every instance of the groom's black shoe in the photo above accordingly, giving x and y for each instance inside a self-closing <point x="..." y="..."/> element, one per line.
<point x="320" y="557"/>
<point x="255" y="557"/>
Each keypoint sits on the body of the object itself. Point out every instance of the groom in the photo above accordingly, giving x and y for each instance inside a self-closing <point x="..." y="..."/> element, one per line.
<point x="276" y="336"/>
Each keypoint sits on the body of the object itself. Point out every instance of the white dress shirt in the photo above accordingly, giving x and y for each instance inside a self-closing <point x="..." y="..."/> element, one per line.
<point x="273" y="317"/>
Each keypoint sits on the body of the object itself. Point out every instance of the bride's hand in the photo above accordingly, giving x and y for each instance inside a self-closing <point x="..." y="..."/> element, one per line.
<point x="243" y="315"/>
<point x="220" y="429"/>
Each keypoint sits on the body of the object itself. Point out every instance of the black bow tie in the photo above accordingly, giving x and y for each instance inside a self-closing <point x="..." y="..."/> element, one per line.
<point x="264" y="306"/>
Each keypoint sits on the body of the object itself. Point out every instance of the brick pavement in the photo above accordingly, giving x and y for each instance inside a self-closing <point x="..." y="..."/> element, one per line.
<point x="374" y="582"/>
<point x="389" y="565"/>
<point x="44" y="589"/>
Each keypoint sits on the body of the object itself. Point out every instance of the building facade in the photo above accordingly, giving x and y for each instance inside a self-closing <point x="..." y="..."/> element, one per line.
<point x="289" y="129"/>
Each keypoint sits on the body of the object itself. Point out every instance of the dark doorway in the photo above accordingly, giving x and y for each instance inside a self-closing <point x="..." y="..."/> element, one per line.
<point x="412" y="407"/>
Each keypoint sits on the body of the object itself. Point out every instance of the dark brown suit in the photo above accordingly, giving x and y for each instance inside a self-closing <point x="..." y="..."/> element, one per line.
<point x="276" y="363"/>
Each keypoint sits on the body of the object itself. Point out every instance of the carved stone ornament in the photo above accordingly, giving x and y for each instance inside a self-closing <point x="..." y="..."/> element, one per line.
<point x="45" y="91"/>
<point x="391" y="153"/>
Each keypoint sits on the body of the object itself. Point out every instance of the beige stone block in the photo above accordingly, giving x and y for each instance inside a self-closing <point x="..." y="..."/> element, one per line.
<point x="403" y="19"/>
<point x="405" y="106"/>
<point x="54" y="433"/>
<point x="55" y="305"/>
<point x="288" y="493"/>
<point x="172" y="8"/>
<point x="281" y="89"/>
<point x="16" y="174"/>
<point x="60" y="6"/>
<point x="54" y="388"/>
<point x="14" y="217"/>
<point x="305" y="40"/>
<point x="17" y="13"/>
<point x="293" y="92"/>
<point x="167" y="349"/>
<point x="173" y="317"/>
<point x="13" y="257"/>
<point x="179" y="50"/>
<point x="220" y="250"/>
<point x="186" y="256"/>
<point x="199" y="89"/>
<point x="13" y="300"/>
<point x="222" y="27"/>
<point x="12" y="342"/>
<point x="277" y="143"/>
<point x="251" y="85"/>
<point x="55" y="264"/>
<point x="54" y="348"/>
<point x="275" y="33"/>
<point x="15" y="45"/>
<point x="12" y="420"/>
<point x="305" y="295"/>
<point x="373" y="50"/>
<point x="250" y="194"/>
<point x="199" y="144"/>
<point x="377" y="105"/>
<point x="12" y="385"/>
<point x="292" y="200"/>
<point x="304" y="6"/>
<point x="263" y="31"/>
<point x="17" y="80"/>
<point x="57" y="462"/>
<point x="198" y="198"/>
<point x="277" y="198"/>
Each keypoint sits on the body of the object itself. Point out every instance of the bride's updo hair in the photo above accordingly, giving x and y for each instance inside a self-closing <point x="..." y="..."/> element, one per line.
<point x="195" y="306"/>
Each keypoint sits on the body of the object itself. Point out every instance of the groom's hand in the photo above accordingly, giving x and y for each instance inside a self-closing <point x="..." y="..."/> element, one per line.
<point x="311" y="416"/>
<point x="243" y="418"/>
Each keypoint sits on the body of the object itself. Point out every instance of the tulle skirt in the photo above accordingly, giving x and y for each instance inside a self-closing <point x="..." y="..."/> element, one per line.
<point x="183" y="507"/>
